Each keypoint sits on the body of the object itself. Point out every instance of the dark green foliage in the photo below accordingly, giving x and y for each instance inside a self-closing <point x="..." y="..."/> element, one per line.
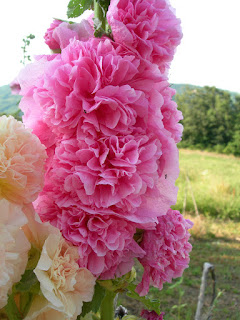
<point x="151" y="304"/>
<point x="211" y="119"/>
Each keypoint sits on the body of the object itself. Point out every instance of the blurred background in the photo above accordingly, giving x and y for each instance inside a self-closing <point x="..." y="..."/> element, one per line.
<point x="205" y="75"/>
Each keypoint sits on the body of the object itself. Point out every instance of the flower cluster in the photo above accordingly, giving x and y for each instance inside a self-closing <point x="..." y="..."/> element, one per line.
<point x="167" y="251"/>
<point x="103" y="109"/>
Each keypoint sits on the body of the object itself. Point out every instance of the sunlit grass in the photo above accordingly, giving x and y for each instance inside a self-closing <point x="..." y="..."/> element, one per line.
<point x="214" y="182"/>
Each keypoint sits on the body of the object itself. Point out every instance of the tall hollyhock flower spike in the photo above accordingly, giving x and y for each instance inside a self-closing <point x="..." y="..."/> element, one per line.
<point x="14" y="247"/>
<point x="110" y="156"/>
<point x="22" y="159"/>
<point x="108" y="170"/>
<point x="167" y="251"/>
<point x="148" y="27"/>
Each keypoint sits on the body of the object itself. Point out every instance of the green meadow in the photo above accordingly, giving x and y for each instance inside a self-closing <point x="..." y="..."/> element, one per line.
<point x="211" y="181"/>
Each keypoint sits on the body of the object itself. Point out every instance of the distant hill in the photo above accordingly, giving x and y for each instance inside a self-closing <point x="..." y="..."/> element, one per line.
<point x="181" y="87"/>
<point x="8" y="102"/>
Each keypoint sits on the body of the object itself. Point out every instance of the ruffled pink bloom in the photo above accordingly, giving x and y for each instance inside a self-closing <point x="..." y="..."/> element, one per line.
<point x="148" y="27"/>
<point x="151" y="315"/>
<point x="105" y="243"/>
<point x="49" y="40"/>
<point x="167" y="251"/>
<point x="59" y="34"/>
<point x="22" y="159"/>
<point x="112" y="171"/>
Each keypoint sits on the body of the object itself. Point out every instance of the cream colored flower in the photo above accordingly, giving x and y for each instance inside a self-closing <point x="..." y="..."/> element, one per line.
<point x="14" y="247"/>
<point x="22" y="159"/>
<point x="63" y="284"/>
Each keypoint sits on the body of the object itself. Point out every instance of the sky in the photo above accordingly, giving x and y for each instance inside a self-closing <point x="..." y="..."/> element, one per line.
<point x="209" y="53"/>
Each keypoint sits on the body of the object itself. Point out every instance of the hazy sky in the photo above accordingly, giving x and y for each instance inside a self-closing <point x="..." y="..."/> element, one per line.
<point x="208" y="55"/>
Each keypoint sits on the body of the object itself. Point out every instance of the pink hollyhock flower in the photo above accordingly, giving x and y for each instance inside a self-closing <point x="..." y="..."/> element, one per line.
<point x="151" y="315"/>
<point x="105" y="242"/>
<point x="167" y="251"/>
<point x="14" y="247"/>
<point x="15" y="87"/>
<point x="112" y="171"/>
<point x="59" y="34"/>
<point x="22" y="159"/>
<point x="49" y="40"/>
<point x="148" y="27"/>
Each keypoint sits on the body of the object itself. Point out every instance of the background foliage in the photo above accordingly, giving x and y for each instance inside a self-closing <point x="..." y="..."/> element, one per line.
<point x="211" y="119"/>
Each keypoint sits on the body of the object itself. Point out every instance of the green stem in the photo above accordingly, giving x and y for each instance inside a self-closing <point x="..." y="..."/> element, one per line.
<point x="99" y="14"/>
<point x="107" y="306"/>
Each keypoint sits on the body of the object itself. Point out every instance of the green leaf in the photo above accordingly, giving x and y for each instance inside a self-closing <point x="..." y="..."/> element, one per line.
<point x="94" y="305"/>
<point x="12" y="310"/>
<point x="28" y="283"/>
<point x="26" y="300"/>
<point x="77" y="7"/>
<point x="33" y="258"/>
<point x="150" y="304"/>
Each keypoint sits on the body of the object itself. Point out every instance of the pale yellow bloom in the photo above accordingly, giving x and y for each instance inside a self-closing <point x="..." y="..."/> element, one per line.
<point x="63" y="284"/>
<point x="14" y="247"/>
<point x="22" y="158"/>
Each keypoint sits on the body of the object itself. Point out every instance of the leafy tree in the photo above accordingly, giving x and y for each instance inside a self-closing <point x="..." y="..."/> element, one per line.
<point x="209" y="117"/>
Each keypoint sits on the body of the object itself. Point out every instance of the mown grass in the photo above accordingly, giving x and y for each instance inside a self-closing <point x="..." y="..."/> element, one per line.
<point x="214" y="181"/>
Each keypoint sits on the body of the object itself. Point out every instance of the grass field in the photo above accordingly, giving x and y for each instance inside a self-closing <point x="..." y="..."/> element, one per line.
<point x="215" y="184"/>
<point x="214" y="181"/>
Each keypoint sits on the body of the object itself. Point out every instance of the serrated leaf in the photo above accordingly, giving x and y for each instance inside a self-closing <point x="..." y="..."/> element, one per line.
<point x="77" y="7"/>
<point x="28" y="283"/>
<point x="150" y="304"/>
<point x="94" y="305"/>
<point x="12" y="310"/>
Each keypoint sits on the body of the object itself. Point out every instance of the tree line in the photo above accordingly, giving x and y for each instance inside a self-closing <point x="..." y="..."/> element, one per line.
<point x="211" y="119"/>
